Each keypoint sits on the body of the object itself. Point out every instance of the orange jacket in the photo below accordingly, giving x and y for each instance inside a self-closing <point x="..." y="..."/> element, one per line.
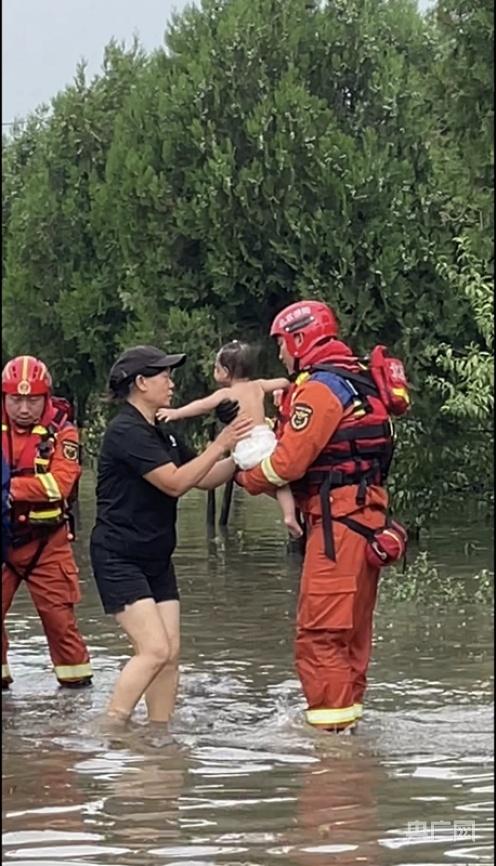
<point x="315" y="415"/>
<point x="54" y="485"/>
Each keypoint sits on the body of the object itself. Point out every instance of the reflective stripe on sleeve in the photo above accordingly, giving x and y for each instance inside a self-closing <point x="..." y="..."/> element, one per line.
<point x="270" y="474"/>
<point x="52" y="489"/>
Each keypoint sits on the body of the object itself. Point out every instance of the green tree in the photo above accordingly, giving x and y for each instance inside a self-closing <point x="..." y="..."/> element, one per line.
<point x="60" y="294"/>
<point x="281" y="150"/>
<point x="462" y="87"/>
<point x="274" y="150"/>
<point x="467" y="383"/>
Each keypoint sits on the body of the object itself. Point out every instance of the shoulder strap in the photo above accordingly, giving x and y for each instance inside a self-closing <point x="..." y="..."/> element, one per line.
<point x="58" y="420"/>
<point x="357" y="378"/>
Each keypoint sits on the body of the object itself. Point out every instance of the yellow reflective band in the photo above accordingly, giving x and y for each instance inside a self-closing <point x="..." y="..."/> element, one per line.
<point x="358" y="711"/>
<point x="401" y="392"/>
<point x="6" y="675"/>
<point x="51" y="487"/>
<point x="24" y="371"/>
<point x="42" y="461"/>
<point x="73" y="672"/>
<point x="302" y="378"/>
<point x="271" y="476"/>
<point x="331" y="717"/>
<point x="39" y="430"/>
<point x="44" y="515"/>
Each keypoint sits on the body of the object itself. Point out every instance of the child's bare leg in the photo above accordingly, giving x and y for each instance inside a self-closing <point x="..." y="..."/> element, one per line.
<point x="287" y="504"/>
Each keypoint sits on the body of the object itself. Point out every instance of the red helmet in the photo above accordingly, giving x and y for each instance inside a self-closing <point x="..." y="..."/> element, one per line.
<point x="313" y="321"/>
<point x="26" y="376"/>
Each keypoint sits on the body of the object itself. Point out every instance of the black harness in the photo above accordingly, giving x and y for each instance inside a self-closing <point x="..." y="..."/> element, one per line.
<point x="371" y="460"/>
<point x="45" y="449"/>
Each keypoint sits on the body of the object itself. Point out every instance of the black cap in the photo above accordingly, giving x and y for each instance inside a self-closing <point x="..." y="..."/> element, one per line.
<point x="141" y="360"/>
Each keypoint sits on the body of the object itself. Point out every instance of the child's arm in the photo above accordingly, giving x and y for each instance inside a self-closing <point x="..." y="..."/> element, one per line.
<point x="270" y="385"/>
<point x="195" y="408"/>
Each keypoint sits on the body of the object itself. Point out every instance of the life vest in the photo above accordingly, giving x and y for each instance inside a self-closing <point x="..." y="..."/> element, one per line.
<point x="360" y="451"/>
<point x="34" y="519"/>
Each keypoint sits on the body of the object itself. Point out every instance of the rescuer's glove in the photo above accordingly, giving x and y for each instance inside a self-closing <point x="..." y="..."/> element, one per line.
<point x="227" y="411"/>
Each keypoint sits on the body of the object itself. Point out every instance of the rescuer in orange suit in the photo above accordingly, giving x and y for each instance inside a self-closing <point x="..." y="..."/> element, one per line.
<point x="334" y="449"/>
<point x="41" y="448"/>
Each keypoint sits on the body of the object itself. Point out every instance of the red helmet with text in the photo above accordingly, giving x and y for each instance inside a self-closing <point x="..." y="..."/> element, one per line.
<point x="26" y="376"/>
<point x="303" y="326"/>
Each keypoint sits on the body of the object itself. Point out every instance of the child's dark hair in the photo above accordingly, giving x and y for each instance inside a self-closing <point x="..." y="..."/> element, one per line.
<point x="239" y="359"/>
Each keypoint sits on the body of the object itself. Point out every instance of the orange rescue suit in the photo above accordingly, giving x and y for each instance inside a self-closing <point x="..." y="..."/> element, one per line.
<point x="337" y="596"/>
<point x="44" y="462"/>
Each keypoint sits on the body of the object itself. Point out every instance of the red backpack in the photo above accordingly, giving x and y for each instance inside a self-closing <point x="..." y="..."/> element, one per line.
<point x="65" y="409"/>
<point x="361" y="449"/>
<point x="390" y="379"/>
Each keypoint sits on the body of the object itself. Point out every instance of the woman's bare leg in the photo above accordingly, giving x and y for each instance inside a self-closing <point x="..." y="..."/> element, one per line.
<point x="160" y="695"/>
<point x="144" y="626"/>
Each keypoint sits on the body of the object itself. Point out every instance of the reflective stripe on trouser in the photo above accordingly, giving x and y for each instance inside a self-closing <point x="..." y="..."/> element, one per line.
<point x="54" y="588"/>
<point x="338" y="718"/>
<point x="334" y="626"/>
<point x="331" y="717"/>
<point x="6" y="675"/>
<point x="73" y="673"/>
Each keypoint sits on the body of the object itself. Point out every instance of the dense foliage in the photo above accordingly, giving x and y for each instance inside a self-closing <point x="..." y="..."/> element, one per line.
<point x="275" y="149"/>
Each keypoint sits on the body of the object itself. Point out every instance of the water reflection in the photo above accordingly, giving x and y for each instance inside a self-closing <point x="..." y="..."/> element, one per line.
<point x="246" y="782"/>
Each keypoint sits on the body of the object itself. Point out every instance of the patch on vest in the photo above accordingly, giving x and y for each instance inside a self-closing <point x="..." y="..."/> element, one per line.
<point x="70" y="450"/>
<point x="300" y="417"/>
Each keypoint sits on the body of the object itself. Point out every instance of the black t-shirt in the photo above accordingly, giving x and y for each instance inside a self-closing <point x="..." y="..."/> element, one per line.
<point x="133" y="517"/>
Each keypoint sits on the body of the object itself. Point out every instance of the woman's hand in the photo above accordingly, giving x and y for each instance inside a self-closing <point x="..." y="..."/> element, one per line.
<point x="277" y="397"/>
<point x="230" y="435"/>
<point x="176" y="480"/>
<point x="167" y="414"/>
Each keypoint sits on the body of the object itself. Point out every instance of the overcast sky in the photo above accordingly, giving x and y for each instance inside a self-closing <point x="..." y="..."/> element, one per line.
<point x="43" y="40"/>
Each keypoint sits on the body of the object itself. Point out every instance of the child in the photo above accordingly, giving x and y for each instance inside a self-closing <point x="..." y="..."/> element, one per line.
<point x="233" y="371"/>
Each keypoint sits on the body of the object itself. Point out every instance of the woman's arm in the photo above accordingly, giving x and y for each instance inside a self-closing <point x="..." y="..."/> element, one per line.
<point x="176" y="480"/>
<point x="221" y="473"/>
<point x="195" y="408"/>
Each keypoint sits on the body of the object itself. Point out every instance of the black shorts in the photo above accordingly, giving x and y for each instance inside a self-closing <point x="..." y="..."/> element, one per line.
<point x="122" y="581"/>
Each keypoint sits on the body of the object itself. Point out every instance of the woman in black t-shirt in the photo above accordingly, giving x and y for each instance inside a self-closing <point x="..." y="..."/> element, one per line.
<point x="141" y="473"/>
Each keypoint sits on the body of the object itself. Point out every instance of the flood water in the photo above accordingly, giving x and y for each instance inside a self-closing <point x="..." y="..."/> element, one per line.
<point x="246" y="782"/>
